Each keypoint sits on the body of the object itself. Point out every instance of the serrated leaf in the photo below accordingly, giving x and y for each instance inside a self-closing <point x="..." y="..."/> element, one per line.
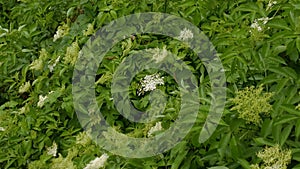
<point x="266" y="128"/>
<point x="285" y="119"/>
<point x="298" y="43"/>
<point x="279" y="23"/>
<point x="284" y="71"/>
<point x="290" y="109"/>
<point x="262" y="141"/>
<point x="285" y="133"/>
<point x="244" y="163"/>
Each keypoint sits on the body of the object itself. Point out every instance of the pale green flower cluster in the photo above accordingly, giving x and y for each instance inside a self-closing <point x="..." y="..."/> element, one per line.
<point x="84" y="138"/>
<point x="155" y="128"/>
<point x="84" y="145"/>
<point x="158" y="54"/>
<point x="57" y="163"/>
<point x="185" y="34"/>
<point x="63" y="163"/>
<point x="271" y="4"/>
<point x="98" y="162"/>
<point x="51" y="66"/>
<point x="38" y="64"/>
<point x="61" y="32"/>
<point x="149" y="83"/>
<point x="90" y="30"/>
<point x="52" y="150"/>
<point x="42" y="100"/>
<point x="25" y="87"/>
<point x="273" y="158"/>
<point x="251" y="102"/>
<point x="72" y="53"/>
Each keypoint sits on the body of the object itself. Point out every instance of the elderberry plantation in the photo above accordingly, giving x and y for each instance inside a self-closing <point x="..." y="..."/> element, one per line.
<point x="186" y="84"/>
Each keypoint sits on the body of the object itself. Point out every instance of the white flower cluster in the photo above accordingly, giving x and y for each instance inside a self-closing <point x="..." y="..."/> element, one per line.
<point x="42" y="100"/>
<point x="84" y="138"/>
<point x="155" y="128"/>
<point x="89" y="31"/>
<point x="52" y="150"/>
<point x="271" y="4"/>
<point x="51" y="66"/>
<point x="72" y="53"/>
<point x="24" y="88"/>
<point x="61" y="31"/>
<point x="149" y="83"/>
<point x="97" y="163"/>
<point x="38" y="64"/>
<point x="158" y="54"/>
<point x="185" y="34"/>
<point x="257" y="23"/>
<point x="2" y="129"/>
<point x="274" y="158"/>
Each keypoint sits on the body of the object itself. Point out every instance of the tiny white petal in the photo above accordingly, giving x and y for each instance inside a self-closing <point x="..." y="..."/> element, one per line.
<point x="185" y="34"/>
<point x="42" y="100"/>
<point x="52" y="150"/>
<point x="97" y="163"/>
<point x="155" y="128"/>
<point x="149" y="83"/>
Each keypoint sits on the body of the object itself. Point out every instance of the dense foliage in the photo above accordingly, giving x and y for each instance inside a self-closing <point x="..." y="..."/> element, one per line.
<point x="258" y="42"/>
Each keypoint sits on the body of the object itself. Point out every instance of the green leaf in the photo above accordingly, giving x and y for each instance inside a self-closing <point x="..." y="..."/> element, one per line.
<point x="284" y="71"/>
<point x="218" y="167"/>
<point x="224" y="144"/>
<point x="266" y="128"/>
<point x="286" y="119"/>
<point x="262" y="141"/>
<point x="279" y="24"/>
<point x="298" y="43"/>
<point x="290" y="109"/>
<point x="244" y="163"/>
<point x="297" y="129"/>
<point x="285" y="133"/>
<point x="179" y="152"/>
<point x="292" y="51"/>
<point x="281" y="84"/>
<point x="234" y="147"/>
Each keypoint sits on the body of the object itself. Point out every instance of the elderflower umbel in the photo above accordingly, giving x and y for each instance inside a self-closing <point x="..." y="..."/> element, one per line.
<point x="89" y="31"/>
<point x="185" y="34"/>
<point x="257" y="24"/>
<point x="72" y="53"/>
<point x="98" y="162"/>
<point x="25" y="87"/>
<point x="264" y="20"/>
<point x="84" y="138"/>
<point x="149" y="83"/>
<point x="39" y="63"/>
<point x="250" y="103"/>
<point x="52" y="150"/>
<point x="274" y="158"/>
<point x="158" y="54"/>
<point x="155" y="128"/>
<point x="271" y="4"/>
<point x="61" y="32"/>
<point x="51" y="66"/>
<point x="42" y="100"/>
